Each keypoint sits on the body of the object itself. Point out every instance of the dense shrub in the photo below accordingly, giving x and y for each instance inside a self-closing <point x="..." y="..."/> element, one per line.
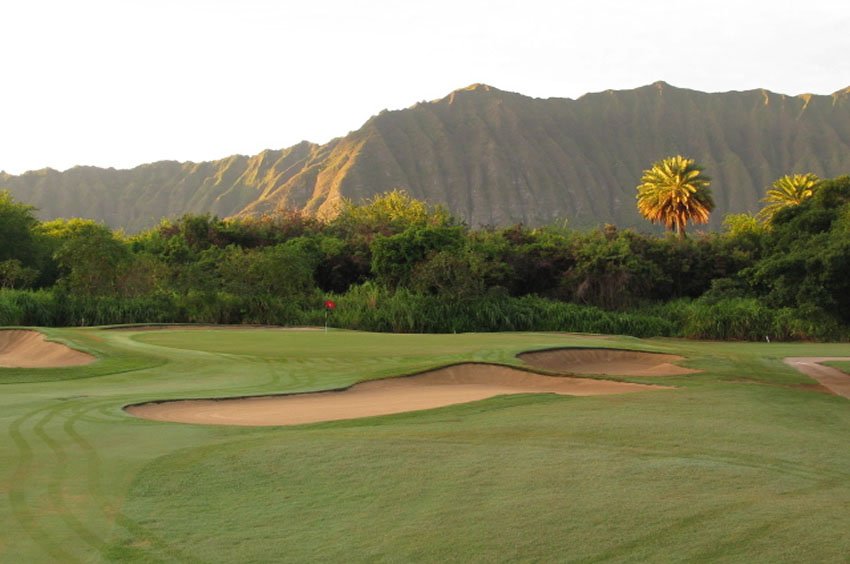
<point x="748" y="319"/>
<point x="369" y="307"/>
<point x="397" y="264"/>
<point x="22" y="307"/>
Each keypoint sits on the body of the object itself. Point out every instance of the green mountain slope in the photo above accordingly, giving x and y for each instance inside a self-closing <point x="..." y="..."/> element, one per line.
<point x="492" y="157"/>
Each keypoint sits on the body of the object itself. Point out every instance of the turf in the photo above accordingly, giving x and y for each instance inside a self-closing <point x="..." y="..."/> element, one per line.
<point x="744" y="462"/>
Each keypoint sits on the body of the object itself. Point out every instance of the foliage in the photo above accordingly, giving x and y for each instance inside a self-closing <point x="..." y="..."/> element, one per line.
<point x="88" y="255"/>
<point x="607" y="273"/>
<point x="394" y="258"/>
<point x="283" y="270"/>
<point x="747" y="319"/>
<point x="807" y="264"/>
<point x="13" y="274"/>
<point x="790" y="190"/>
<point x="532" y="261"/>
<point x="452" y="274"/>
<point x="372" y="308"/>
<point x="742" y="224"/>
<point x="18" y="241"/>
<point x="387" y="214"/>
<point x="396" y="264"/>
<point x="673" y="192"/>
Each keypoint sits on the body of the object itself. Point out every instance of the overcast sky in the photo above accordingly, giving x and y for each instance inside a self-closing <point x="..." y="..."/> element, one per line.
<point x="123" y="82"/>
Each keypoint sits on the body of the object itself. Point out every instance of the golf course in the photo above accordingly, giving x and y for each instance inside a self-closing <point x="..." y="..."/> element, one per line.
<point x="725" y="452"/>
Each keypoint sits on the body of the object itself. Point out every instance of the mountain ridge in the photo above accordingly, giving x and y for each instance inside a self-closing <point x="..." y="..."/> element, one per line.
<point x="492" y="156"/>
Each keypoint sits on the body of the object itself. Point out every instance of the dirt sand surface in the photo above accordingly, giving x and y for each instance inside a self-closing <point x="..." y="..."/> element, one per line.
<point x="446" y="386"/>
<point x="606" y="361"/>
<point x="832" y="378"/>
<point x="20" y="348"/>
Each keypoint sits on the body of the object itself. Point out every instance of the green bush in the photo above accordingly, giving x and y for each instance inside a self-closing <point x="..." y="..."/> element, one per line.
<point x="748" y="319"/>
<point x="371" y="308"/>
<point x="27" y="307"/>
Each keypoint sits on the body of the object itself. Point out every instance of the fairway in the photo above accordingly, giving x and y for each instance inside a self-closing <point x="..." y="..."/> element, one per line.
<point x="745" y="459"/>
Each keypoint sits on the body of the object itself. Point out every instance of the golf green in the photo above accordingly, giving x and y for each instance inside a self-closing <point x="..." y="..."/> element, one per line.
<point x="746" y="460"/>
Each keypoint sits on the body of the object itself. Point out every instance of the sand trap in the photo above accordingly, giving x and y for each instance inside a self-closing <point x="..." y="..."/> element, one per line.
<point x="446" y="386"/>
<point x="611" y="362"/>
<point x="20" y="348"/>
<point x="831" y="378"/>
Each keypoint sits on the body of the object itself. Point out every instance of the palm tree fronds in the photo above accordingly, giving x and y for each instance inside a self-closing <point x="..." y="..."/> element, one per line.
<point x="673" y="192"/>
<point x="790" y="190"/>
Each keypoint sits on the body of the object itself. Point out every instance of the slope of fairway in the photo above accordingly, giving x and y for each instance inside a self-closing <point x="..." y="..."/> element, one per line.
<point x="460" y="383"/>
<point x="745" y="461"/>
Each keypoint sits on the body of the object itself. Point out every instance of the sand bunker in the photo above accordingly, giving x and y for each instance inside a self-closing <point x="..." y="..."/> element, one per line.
<point x="833" y="379"/>
<point x="21" y="348"/>
<point x="446" y="386"/>
<point x="611" y="362"/>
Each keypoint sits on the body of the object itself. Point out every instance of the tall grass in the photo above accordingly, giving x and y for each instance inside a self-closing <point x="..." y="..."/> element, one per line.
<point x="747" y="319"/>
<point x="24" y="307"/>
<point x="49" y="308"/>
<point x="370" y="307"/>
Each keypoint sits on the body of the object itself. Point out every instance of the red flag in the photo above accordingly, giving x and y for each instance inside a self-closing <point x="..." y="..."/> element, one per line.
<point x="329" y="305"/>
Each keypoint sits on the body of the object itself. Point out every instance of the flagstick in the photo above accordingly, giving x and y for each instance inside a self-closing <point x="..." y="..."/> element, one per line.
<point x="329" y="306"/>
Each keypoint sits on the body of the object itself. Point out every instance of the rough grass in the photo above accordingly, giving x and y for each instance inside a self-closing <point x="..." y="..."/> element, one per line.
<point x="745" y="462"/>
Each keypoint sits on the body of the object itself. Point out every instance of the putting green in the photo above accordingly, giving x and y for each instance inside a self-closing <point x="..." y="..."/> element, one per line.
<point x="745" y="460"/>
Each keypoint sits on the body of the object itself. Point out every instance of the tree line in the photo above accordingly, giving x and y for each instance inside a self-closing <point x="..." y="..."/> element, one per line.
<point x="398" y="264"/>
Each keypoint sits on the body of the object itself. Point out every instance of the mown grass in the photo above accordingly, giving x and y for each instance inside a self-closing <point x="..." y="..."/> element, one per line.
<point x="741" y="463"/>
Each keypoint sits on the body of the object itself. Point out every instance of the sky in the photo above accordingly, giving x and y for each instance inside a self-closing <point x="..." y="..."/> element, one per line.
<point x="123" y="82"/>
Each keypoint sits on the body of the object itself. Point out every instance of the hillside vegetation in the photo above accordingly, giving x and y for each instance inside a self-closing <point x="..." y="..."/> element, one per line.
<point x="491" y="157"/>
<point x="398" y="264"/>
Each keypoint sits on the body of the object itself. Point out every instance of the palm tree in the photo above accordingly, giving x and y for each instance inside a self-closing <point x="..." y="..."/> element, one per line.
<point x="790" y="190"/>
<point x="673" y="192"/>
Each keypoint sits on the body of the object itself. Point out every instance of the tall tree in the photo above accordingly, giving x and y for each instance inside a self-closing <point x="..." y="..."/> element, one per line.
<point x="88" y="254"/>
<point x="16" y="230"/>
<point x="806" y="257"/>
<point x="790" y="190"/>
<point x="673" y="192"/>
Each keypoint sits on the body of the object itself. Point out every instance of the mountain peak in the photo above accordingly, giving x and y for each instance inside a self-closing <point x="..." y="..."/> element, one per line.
<point x="476" y="91"/>
<point x="662" y="87"/>
<point x="492" y="157"/>
<point x="478" y="87"/>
